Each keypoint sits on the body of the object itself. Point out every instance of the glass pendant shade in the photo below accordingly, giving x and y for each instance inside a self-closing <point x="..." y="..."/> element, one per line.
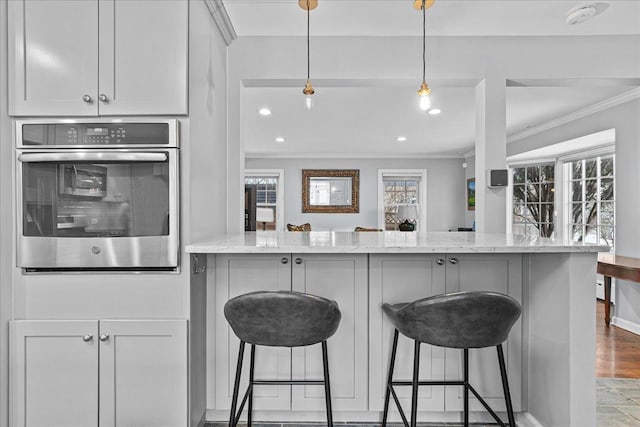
<point x="424" y="97"/>
<point x="308" y="102"/>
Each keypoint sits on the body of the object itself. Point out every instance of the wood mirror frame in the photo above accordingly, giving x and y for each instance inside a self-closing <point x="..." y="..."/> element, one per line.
<point x="354" y="174"/>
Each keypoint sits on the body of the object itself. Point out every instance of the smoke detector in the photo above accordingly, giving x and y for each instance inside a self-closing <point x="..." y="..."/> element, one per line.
<point x="586" y="11"/>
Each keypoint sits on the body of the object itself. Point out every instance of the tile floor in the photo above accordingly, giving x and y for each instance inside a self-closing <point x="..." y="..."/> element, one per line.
<point x="618" y="402"/>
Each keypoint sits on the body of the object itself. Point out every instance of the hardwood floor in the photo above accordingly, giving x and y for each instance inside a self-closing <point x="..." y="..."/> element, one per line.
<point x="617" y="350"/>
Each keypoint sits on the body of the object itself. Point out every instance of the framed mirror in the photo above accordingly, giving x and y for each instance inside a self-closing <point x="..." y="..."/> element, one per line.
<point x="330" y="190"/>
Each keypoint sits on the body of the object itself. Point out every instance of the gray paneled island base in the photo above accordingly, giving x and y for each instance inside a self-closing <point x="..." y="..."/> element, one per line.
<point x="550" y="352"/>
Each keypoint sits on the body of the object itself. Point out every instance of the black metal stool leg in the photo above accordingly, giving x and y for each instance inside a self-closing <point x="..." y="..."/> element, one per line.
<point x="251" y="367"/>
<point x="414" y="390"/>
<point x="387" y="393"/>
<point x="466" y="386"/>
<point x="505" y="386"/>
<point x="327" y="386"/>
<point x="236" y="386"/>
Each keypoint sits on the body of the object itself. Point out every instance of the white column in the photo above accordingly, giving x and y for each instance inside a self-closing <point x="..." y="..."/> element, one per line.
<point x="491" y="153"/>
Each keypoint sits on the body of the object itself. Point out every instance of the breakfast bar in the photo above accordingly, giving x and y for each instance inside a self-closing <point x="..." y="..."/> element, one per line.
<point x="550" y="352"/>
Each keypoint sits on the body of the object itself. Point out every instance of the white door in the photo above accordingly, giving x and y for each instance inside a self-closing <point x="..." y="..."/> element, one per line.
<point x="396" y="279"/>
<point x="143" y="57"/>
<point x="143" y="373"/>
<point x="493" y="272"/>
<point x="342" y="278"/>
<point x="53" y="57"/>
<point x="54" y="373"/>
<point x="238" y="274"/>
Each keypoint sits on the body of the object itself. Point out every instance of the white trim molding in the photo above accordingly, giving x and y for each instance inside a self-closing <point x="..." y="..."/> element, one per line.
<point x="626" y="325"/>
<point x="221" y="18"/>
<point x="578" y="114"/>
<point x="285" y="155"/>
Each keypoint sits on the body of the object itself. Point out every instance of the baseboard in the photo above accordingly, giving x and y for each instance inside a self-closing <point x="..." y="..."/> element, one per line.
<point x="525" y="419"/>
<point x="626" y="325"/>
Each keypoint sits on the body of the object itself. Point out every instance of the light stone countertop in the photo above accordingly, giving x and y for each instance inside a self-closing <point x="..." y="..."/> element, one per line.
<point x="383" y="242"/>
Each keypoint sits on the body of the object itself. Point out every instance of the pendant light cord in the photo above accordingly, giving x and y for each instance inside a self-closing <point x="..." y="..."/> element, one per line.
<point x="424" y="39"/>
<point x="308" y="54"/>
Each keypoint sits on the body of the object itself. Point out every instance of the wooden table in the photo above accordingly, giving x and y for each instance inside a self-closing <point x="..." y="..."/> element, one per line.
<point x="620" y="267"/>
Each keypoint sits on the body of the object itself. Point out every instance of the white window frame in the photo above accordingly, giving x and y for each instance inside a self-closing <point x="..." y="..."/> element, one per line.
<point x="276" y="173"/>
<point x="565" y="164"/>
<point x="421" y="176"/>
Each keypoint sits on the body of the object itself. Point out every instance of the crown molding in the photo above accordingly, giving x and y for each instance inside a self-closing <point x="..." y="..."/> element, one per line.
<point x="221" y="18"/>
<point x="578" y="114"/>
<point x="284" y="155"/>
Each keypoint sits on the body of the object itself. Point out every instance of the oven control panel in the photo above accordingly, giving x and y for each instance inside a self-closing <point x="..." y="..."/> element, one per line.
<point x="95" y="134"/>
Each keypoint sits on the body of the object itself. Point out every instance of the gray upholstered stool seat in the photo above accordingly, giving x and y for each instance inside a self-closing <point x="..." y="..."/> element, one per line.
<point x="280" y="319"/>
<point x="461" y="320"/>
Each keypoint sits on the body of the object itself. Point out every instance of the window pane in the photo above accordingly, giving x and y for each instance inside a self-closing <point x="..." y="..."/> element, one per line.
<point x="518" y="212"/>
<point x="576" y="169"/>
<point x="546" y="212"/>
<point x="606" y="166"/>
<point x="606" y="189"/>
<point x="591" y="213"/>
<point x="388" y="185"/>
<point x="548" y="172"/>
<point x="576" y="213"/>
<point x="577" y="233"/>
<point x="590" y="189"/>
<point x="606" y="235"/>
<point x="607" y="213"/>
<point x="518" y="193"/>
<point x="546" y="229"/>
<point x="591" y="168"/>
<point x="533" y="174"/>
<point x="412" y="186"/>
<point x="533" y="192"/>
<point x="519" y="175"/>
<point x="591" y="235"/>
<point x="518" y="228"/>
<point x="547" y="192"/>
<point x="576" y="191"/>
<point x="532" y="230"/>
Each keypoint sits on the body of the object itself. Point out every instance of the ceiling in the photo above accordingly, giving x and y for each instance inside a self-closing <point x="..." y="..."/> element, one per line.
<point x="446" y="18"/>
<point x="360" y="121"/>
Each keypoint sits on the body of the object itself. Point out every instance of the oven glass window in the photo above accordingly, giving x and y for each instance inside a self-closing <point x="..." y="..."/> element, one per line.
<point x="115" y="199"/>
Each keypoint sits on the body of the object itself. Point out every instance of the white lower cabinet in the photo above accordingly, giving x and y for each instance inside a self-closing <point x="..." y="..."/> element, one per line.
<point x="405" y="278"/>
<point x="341" y="277"/>
<point x="98" y="373"/>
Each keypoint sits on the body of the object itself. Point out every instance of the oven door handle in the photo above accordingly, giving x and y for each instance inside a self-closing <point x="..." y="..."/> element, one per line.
<point x="100" y="156"/>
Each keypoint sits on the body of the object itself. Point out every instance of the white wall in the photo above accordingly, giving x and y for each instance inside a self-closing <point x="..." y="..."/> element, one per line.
<point x="625" y="118"/>
<point x="445" y="184"/>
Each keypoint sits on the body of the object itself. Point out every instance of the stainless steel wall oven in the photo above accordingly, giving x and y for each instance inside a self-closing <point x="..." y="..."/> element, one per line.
<point x="97" y="194"/>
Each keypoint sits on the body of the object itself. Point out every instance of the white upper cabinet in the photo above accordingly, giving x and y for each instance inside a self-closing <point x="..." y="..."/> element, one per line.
<point x="98" y="57"/>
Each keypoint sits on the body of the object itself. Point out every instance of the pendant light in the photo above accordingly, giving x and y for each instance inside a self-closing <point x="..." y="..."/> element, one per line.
<point x="424" y="98"/>
<point x="308" y="90"/>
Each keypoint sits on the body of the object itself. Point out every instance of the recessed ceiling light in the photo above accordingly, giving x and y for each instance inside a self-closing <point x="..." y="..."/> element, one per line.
<point x="434" y="111"/>
<point x="279" y="140"/>
<point x="264" y="111"/>
<point x="401" y="138"/>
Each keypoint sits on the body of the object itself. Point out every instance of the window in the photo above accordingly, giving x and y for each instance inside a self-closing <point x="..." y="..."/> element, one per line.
<point x="398" y="188"/>
<point x="533" y="200"/>
<point x="263" y="189"/>
<point x="591" y="202"/>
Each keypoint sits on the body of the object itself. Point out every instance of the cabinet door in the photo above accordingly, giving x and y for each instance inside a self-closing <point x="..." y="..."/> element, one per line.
<point x="143" y="57"/>
<point x="487" y="272"/>
<point x="53" y="57"/>
<point x="396" y="279"/>
<point x="54" y="373"/>
<point x="143" y="373"/>
<point x="238" y="274"/>
<point x="342" y="278"/>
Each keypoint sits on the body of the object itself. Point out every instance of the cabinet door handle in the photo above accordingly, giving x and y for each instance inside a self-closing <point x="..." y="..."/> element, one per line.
<point x="298" y="260"/>
<point x="453" y="260"/>
<point x="102" y="97"/>
<point x="284" y="260"/>
<point x="440" y="261"/>
<point x="87" y="98"/>
<point x="87" y="338"/>
<point x="104" y="337"/>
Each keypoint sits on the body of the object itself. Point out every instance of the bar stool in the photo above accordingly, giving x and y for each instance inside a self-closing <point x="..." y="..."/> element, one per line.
<point x="280" y="319"/>
<point x="461" y="320"/>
